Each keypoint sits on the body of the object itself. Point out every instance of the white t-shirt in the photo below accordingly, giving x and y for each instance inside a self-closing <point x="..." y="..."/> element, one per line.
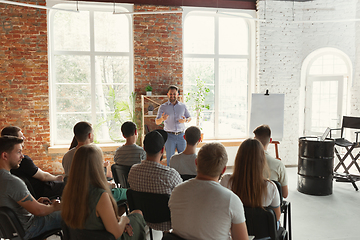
<point x="184" y="163"/>
<point x="273" y="196"/>
<point x="204" y="210"/>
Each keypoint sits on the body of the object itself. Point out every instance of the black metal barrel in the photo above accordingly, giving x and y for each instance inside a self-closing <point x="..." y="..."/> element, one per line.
<point x="315" y="166"/>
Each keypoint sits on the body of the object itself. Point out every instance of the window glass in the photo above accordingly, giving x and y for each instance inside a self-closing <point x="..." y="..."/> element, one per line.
<point x="91" y="65"/>
<point x="71" y="31"/>
<point x="199" y="32"/>
<point x="223" y="71"/>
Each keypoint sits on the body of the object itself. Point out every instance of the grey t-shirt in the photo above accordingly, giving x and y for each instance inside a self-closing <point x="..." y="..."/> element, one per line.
<point x="67" y="160"/>
<point x="12" y="190"/>
<point x="184" y="163"/>
<point x="128" y="155"/>
<point x="204" y="210"/>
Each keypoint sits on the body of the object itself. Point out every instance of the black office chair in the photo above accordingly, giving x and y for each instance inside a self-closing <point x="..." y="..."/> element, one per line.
<point x="29" y="186"/>
<point x="81" y="234"/>
<point x="285" y="209"/>
<point x="261" y="223"/>
<point x="171" y="236"/>
<point x="154" y="206"/>
<point x="120" y="174"/>
<point x="187" y="176"/>
<point x="11" y="228"/>
<point x="348" y="123"/>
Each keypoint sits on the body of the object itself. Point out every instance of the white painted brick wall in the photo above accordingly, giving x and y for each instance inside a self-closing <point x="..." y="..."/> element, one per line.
<point x="283" y="46"/>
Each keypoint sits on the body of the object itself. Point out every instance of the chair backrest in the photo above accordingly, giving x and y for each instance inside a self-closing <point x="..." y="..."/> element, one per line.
<point x="29" y="186"/>
<point x="10" y="226"/>
<point x="350" y="122"/>
<point x="153" y="205"/>
<point x="120" y="175"/>
<point x="278" y="185"/>
<point x="171" y="236"/>
<point x="81" y="234"/>
<point x="187" y="176"/>
<point x="260" y="222"/>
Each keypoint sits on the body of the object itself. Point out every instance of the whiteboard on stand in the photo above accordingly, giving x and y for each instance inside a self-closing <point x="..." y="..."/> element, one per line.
<point x="268" y="109"/>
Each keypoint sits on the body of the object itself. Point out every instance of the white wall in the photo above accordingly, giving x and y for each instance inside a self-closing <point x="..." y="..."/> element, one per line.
<point x="284" y="44"/>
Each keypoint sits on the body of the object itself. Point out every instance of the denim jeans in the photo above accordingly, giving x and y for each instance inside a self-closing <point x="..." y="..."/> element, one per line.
<point x="174" y="142"/>
<point x="42" y="224"/>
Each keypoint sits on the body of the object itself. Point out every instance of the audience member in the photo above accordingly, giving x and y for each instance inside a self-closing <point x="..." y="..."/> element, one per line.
<point x="277" y="168"/>
<point x="248" y="181"/>
<point x="184" y="162"/>
<point x="36" y="217"/>
<point x="84" y="135"/>
<point x="44" y="184"/>
<point x="201" y="208"/>
<point x="174" y="114"/>
<point x="88" y="203"/>
<point x="150" y="175"/>
<point x="129" y="153"/>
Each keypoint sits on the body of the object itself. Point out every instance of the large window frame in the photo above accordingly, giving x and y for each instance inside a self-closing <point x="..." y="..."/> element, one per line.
<point x="92" y="54"/>
<point x="246" y="15"/>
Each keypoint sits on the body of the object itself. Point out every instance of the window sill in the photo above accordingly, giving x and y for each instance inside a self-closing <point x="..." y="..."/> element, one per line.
<point x="105" y="147"/>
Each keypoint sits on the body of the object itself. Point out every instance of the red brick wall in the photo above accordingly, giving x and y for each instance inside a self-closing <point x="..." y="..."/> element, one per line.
<point x="24" y="93"/>
<point x="158" y="58"/>
<point x="24" y="88"/>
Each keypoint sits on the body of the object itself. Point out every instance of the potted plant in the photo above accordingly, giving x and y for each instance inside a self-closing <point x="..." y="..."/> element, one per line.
<point x="197" y="99"/>
<point x="150" y="110"/>
<point x="148" y="90"/>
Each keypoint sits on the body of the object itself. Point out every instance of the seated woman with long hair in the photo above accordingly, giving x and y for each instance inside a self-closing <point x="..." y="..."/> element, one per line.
<point x="248" y="181"/>
<point x="87" y="202"/>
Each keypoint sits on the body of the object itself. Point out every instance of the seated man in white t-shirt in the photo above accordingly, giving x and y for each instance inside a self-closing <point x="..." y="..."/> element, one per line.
<point x="277" y="168"/>
<point x="184" y="162"/>
<point x="201" y="208"/>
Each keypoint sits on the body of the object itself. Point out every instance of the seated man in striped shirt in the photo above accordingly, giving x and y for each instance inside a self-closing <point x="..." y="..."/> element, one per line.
<point x="129" y="153"/>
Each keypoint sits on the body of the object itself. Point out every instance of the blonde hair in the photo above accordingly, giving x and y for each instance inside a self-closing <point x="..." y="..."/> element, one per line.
<point x="248" y="180"/>
<point x="86" y="169"/>
<point x="211" y="159"/>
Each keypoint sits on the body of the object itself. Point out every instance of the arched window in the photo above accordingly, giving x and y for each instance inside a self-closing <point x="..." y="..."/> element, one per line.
<point x="327" y="75"/>
<point x="218" y="52"/>
<point x="90" y="68"/>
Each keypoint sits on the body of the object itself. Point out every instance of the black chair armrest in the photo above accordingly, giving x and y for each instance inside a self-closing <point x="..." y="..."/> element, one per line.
<point x="334" y="129"/>
<point x="357" y="134"/>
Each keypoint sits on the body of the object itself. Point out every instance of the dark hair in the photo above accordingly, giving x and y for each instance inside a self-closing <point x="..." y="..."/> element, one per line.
<point x="173" y="87"/>
<point x="7" y="143"/>
<point x="73" y="143"/>
<point x="128" y="129"/>
<point x="10" y="131"/>
<point x="263" y="134"/>
<point x="192" y="135"/>
<point x="82" y="130"/>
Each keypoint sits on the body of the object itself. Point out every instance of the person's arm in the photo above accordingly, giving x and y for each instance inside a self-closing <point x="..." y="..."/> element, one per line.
<point x="239" y="231"/>
<point x="39" y="208"/>
<point x="285" y="191"/>
<point x="161" y="119"/>
<point x="277" y="212"/>
<point x="106" y="212"/>
<point x="45" y="176"/>
<point x="185" y="120"/>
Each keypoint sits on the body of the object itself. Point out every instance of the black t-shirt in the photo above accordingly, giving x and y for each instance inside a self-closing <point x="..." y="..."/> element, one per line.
<point x="28" y="169"/>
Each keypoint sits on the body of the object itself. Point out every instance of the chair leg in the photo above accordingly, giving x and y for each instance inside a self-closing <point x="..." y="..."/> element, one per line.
<point x="151" y="234"/>
<point x="289" y="220"/>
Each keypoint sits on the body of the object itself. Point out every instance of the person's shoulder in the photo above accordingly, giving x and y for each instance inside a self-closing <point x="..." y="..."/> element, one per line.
<point x="71" y="151"/>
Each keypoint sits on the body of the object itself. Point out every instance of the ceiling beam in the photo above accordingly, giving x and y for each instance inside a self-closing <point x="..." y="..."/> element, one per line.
<point x="237" y="4"/>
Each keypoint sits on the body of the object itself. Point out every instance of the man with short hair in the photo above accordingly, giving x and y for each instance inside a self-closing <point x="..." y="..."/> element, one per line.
<point x="36" y="217"/>
<point x="203" y="209"/>
<point x="277" y="168"/>
<point x="174" y="114"/>
<point x="184" y="162"/>
<point x="44" y="184"/>
<point x="150" y="175"/>
<point x="129" y="153"/>
<point x="84" y="135"/>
